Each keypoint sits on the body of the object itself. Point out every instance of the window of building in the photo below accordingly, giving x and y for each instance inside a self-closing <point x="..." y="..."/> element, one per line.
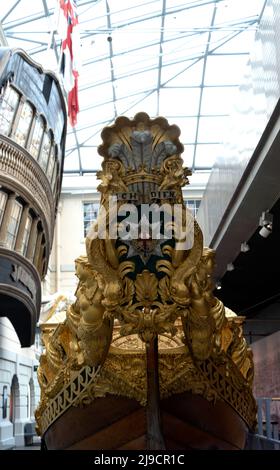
<point x="37" y="137"/>
<point x="51" y="163"/>
<point x="90" y="215"/>
<point x="8" y="109"/>
<point x="5" y="402"/>
<point x="22" y="130"/>
<point x="26" y="234"/>
<point x="193" y="205"/>
<point x="13" y="225"/>
<point x="45" y="152"/>
<point x="3" y="200"/>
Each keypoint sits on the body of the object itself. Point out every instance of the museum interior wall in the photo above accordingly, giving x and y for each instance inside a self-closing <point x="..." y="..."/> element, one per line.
<point x="239" y="213"/>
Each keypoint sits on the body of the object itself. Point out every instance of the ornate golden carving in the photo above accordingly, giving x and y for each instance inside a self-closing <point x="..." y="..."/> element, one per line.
<point x="174" y="175"/>
<point x="50" y="409"/>
<point x="142" y="175"/>
<point x="112" y="177"/>
<point x="201" y="348"/>
<point x="124" y="374"/>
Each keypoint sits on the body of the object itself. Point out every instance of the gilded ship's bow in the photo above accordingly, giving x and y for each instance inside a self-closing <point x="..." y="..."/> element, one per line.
<point x="146" y="357"/>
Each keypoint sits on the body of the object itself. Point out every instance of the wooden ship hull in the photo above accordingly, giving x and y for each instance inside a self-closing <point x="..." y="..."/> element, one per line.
<point x="155" y="399"/>
<point x="188" y="422"/>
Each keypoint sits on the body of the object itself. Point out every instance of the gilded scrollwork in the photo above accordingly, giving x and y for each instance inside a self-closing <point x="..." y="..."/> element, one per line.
<point x="124" y="374"/>
<point x="112" y="175"/>
<point x="174" y="175"/>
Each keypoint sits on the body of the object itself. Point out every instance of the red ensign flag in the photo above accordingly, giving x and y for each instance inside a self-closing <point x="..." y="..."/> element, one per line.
<point x="68" y="30"/>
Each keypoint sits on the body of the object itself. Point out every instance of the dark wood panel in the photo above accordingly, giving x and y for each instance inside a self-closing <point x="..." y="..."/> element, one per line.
<point x="188" y="422"/>
<point x="172" y="444"/>
<point x="218" y="419"/>
<point x="79" y="423"/>
<point x="139" y="444"/>
<point x="155" y="440"/>
<point x="187" y="436"/>
<point x="130" y="427"/>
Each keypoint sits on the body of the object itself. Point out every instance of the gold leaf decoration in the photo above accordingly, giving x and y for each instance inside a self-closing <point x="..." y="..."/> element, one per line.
<point x="167" y="250"/>
<point x="163" y="289"/>
<point x="126" y="267"/>
<point x="128" y="288"/>
<point x="165" y="266"/>
<point x="122" y="250"/>
<point x="146" y="287"/>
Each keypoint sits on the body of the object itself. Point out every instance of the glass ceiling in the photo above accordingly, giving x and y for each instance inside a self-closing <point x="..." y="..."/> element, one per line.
<point x="180" y="59"/>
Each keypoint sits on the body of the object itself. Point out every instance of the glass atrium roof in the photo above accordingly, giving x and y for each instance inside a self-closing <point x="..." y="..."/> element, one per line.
<point x="180" y="59"/>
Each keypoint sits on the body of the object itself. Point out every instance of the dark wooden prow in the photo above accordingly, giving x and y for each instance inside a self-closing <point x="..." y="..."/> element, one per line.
<point x="155" y="439"/>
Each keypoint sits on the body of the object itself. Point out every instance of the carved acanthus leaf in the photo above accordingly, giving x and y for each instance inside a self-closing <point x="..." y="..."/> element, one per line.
<point x="146" y="287"/>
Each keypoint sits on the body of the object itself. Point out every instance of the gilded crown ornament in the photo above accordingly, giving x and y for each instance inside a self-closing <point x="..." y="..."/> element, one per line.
<point x="144" y="296"/>
<point x="142" y="158"/>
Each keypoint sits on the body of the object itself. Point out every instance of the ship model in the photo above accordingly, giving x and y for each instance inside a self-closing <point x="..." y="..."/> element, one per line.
<point x="146" y="357"/>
